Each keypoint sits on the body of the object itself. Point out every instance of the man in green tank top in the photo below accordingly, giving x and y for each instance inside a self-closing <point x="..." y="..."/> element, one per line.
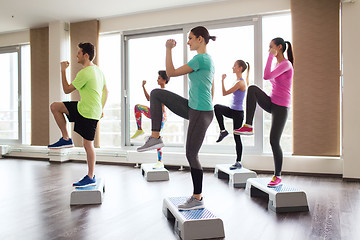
<point x="90" y="82"/>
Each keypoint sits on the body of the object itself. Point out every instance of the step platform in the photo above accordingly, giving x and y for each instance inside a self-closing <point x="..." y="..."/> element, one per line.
<point x="193" y="224"/>
<point x="282" y="198"/>
<point x="59" y="155"/>
<point x="152" y="175"/>
<point x="237" y="177"/>
<point x="88" y="195"/>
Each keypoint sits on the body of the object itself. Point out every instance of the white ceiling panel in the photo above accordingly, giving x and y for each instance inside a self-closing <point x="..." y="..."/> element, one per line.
<point x="17" y="15"/>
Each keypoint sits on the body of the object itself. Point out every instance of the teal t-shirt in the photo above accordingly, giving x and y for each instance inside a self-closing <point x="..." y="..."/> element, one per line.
<point x="90" y="82"/>
<point x="200" y="83"/>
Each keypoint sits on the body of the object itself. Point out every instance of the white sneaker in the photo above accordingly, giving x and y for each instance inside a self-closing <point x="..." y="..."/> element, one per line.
<point x="151" y="143"/>
<point x="158" y="165"/>
<point x="191" y="204"/>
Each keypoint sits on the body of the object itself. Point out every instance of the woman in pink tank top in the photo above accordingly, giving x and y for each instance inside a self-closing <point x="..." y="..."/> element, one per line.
<point x="277" y="104"/>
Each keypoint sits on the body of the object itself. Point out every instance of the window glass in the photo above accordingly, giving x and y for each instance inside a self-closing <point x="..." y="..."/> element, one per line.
<point x="110" y="64"/>
<point x="9" y="117"/>
<point x="270" y="30"/>
<point x="232" y="43"/>
<point x="146" y="56"/>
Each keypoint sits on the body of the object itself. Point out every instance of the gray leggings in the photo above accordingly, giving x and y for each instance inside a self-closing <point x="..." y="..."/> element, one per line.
<point x="199" y="122"/>
<point x="279" y="116"/>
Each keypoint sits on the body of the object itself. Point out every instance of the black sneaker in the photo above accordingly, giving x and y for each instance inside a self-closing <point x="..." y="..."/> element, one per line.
<point x="236" y="165"/>
<point x="222" y="135"/>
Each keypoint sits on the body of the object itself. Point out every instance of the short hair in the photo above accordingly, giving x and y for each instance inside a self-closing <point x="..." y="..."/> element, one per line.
<point x="164" y="76"/>
<point x="88" y="48"/>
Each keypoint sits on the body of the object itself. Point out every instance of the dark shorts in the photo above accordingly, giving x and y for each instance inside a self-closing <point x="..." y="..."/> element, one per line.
<point x="86" y="127"/>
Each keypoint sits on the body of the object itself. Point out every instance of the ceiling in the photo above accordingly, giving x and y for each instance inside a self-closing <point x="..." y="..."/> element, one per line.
<point x="16" y="15"/>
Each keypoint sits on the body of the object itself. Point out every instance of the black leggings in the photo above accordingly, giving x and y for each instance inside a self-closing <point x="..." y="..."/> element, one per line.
<point x="279" y="116"/>
<point x="199" y="122"/>
<point x="238" y="117"/>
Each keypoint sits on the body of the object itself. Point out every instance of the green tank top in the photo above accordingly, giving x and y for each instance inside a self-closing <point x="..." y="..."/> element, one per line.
<point x="200" y="83"/>
<point x="90" y="82"/>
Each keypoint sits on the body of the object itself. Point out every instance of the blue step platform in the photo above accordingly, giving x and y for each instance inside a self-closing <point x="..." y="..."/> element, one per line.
<point x="282" y="198"/>
<point x="88" y="195"/>
<point x="152" y="175"/>
<point x="237" y="177"/>
<point x="193" y="224"/>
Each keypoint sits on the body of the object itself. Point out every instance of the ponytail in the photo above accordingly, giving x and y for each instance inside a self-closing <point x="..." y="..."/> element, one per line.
<point x="290" y="53"/>
<point x="202" y="31"/>
<point x="212" y="38"/>
<point x="279" y="41"/>
<point x="247" y="73"/>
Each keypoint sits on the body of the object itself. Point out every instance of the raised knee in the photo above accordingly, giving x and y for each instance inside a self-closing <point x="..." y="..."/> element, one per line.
<point x="252" y="88"/>
<point x="53" y="107"/>
<point x="137" y="114"/>
<point x="154" y="92"/>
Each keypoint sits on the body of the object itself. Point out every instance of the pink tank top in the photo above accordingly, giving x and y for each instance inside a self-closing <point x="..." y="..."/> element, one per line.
<point x="281" y="80"/>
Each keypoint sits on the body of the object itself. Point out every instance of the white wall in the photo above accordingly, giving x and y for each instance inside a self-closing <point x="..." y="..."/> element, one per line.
<point x="59" y="50"/>
<point x="15" y="38"/>
<point x="351" y="78"/>
<point x="208" y="12"/>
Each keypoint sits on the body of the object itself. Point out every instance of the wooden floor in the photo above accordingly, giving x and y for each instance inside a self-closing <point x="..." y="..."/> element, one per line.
<point x="35" y="204"/>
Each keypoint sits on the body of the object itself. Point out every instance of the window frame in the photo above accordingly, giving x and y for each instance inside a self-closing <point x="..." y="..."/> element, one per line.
<point x="126" y="81"/>
<point x="16" y="49"/>
<point x="255" y="21"/>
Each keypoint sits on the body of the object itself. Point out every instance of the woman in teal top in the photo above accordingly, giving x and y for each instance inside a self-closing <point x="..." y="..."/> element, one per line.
<point x="198" y="109"/>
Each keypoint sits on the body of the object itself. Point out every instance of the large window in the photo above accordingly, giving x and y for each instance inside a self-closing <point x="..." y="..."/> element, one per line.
<point x="146" y="56"/>
<point x="15" y="95"/>
<point x="143" y="55"/>
<point x="271" y="30"/>
<point x="110" y="64"/>
<point x="232" y="43"/>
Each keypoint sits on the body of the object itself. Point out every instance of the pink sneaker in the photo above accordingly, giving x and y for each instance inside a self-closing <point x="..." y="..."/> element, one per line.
<point x="275" y="181"/>
<point x="244" y="130"/>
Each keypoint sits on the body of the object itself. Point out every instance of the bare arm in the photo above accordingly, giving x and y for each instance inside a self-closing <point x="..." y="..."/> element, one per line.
<point x="104" y="97"/>
<point x="68" y="88"/>
<point x="145" y="92"/>
<point x="238" y="86"/>
<point x="170" y="69"/>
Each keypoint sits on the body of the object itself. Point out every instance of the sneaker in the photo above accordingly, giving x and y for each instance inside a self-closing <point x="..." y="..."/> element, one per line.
<point x="222" y="135"/>
<point x="236" y="165"/>
<point x="191" y="204"/>
<point x="151" y="143"/>
<point x="138" y="132"/>
<point x="275" y="181"/>
<point x="62" y="143"/>
<point x="158" y="165"/>
<point x="244" y="130"/>
<point x="85" y="182"/>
